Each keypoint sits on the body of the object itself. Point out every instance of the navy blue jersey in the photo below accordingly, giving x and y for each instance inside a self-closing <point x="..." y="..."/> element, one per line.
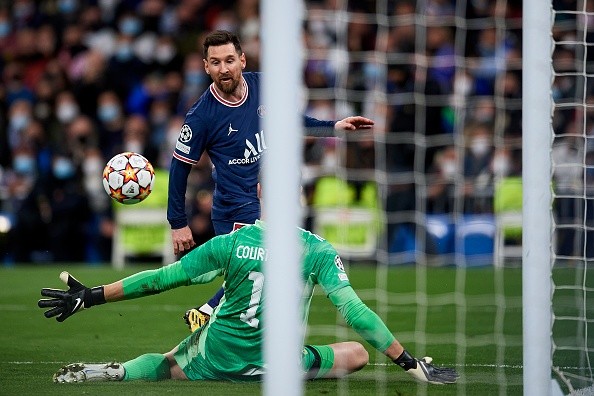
<point x="231" y="134"/>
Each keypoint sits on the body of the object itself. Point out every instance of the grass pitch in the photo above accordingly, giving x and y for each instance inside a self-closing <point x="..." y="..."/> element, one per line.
<point x="470" y="319"/>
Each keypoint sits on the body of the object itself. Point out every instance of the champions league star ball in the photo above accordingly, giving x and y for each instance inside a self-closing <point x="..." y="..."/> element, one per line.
<point x="128" y="178"/>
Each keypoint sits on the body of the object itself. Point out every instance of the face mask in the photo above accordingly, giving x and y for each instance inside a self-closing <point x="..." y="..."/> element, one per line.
<point x="4" y="29"/>
<point x="67" y="112"/>
<point x="67" y="6"/>
<point x="500" y="166"/>
<point x="108" y="112"/>
<point x="164" y="53"/>
<point x="449" y="169"/>
<point x="193" y="78"/>
<point x="159" y="118"/>
<point x="92" y="167"/>
<point x="24" y="164"/>
<point x="63" y="168"/>
<point x="19" y="121"/>
<point x="133" y="146"/>
<point x="124" y="53"/>
<point x="130" y="26"/>
<point x="479" y="146"/>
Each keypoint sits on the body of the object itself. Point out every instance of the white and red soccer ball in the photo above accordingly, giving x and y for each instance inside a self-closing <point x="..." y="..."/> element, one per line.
<point x="128" y="178"/>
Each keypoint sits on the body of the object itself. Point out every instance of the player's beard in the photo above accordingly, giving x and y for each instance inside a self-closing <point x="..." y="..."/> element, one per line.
<point x="228" y="88"/>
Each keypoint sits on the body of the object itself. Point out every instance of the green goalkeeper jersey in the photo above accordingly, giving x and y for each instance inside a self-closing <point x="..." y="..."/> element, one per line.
<point x="233" y="338"/>
<point x="229" y="346"/>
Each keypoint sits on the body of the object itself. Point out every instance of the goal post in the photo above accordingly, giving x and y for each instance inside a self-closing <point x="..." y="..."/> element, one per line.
<point x="536" y="162"/>
<point x="281" y="60"/>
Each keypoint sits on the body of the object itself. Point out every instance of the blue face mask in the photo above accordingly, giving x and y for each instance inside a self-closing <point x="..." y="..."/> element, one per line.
<point x="194" y="78"/>
<point x="63" y="168"/>
<point x="4" y="29"/>
<point x="24" y="164"/>
<point x="130" y="26"/>
<point x="124" y="53"/>
<point x="67" y="6"/>
<point x="19" y="121"/>
<point x="108" y="113"/>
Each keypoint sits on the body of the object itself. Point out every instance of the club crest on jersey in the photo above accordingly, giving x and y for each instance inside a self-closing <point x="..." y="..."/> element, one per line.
<point x="261" y="111"/>
<point x="185" y="135"/>
<point x="338" y="263"/>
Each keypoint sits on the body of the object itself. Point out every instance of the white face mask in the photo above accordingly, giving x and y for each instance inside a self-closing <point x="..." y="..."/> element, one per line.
<point x="449" y="169"/>
<point x="479" y="146"/>
<point x="501" y="166"/>
<point x="134" y="146"/>
<point x="67" y="112"/>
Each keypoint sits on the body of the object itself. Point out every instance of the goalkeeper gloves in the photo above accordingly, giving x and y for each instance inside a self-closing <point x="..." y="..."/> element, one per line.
<point x="195" y="319"/>
<point x="423" y="371"/>
<point x="65" y="303"/>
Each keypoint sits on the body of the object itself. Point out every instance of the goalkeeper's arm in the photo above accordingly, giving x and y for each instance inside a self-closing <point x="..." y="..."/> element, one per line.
<point x="65" y="303"/>
<point x="366" y="322"/>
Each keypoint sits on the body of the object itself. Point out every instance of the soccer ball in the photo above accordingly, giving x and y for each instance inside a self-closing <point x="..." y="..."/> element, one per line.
<point x="128" y="178"/>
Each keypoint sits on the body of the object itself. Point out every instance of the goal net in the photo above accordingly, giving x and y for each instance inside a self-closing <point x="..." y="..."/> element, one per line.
<point x="434" y="195"/>
<point x="573" y="194"/>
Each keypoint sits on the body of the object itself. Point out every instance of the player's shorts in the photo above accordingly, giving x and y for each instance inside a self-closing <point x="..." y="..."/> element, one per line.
<point x="190" y="358"/>
<point x="317" y="360"/>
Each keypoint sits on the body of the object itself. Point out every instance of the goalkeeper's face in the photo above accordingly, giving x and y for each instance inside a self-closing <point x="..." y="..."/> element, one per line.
<point x="224" y="65"/>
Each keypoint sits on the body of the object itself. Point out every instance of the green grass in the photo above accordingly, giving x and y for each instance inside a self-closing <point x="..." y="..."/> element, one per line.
<point x="474" y="331"/>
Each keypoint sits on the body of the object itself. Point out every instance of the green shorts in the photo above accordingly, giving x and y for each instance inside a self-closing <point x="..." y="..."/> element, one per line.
<point x="190" y="358"/>
<point x="317" y="360"/>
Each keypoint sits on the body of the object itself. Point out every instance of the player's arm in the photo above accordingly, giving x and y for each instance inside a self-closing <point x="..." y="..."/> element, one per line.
<point x="65" y="303"/>
<point x="369" y="325"/>
<point x="176" y="206"/>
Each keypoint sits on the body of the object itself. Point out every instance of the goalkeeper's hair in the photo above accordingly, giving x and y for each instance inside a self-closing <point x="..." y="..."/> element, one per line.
<point x="221" y="37"/>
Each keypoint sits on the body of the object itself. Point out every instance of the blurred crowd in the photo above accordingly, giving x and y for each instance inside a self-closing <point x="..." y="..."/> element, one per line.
<point x="83" y="80"/>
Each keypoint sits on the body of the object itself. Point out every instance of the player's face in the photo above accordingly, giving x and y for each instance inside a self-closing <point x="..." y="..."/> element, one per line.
<point x="224" y="65"/>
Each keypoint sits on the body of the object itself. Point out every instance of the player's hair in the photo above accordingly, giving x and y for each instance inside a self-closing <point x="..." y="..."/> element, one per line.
<point x="221" y="37"/>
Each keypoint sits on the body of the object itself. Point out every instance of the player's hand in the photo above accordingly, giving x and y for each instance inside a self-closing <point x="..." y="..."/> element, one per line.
<point x="354" y="123"/>
<point x="426" y="372"/>
<point x="65" y="303"/>
<point x="195" y="319"/>
<point x="182" y="239"/>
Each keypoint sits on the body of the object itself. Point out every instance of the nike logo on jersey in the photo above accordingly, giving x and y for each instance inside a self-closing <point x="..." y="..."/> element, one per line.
<point x="231" y="130"/>
<point x="77" y="305"/>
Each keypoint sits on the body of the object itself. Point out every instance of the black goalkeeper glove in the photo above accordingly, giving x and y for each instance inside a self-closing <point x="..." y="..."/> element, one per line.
<point x="423" y="371"/>
<point x="65" y="303"/>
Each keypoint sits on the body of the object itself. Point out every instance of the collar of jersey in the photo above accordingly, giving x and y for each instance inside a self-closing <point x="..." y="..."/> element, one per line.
<point x="259" y="223"/>
<point x="227" y="102"/>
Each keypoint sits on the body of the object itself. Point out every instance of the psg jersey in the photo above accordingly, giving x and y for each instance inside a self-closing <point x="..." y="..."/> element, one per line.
<point x="231" y="134"/>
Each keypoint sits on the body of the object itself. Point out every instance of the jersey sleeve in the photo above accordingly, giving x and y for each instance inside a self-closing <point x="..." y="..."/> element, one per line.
<point x="176" y="194"/>
<point x="361" y="318"/>
<point x="329" y="270"/>
<point x="208" y="260"/>
<point x="318" y="128"/>
<point x="193" y="136"/>
<point x="155" y="281"/>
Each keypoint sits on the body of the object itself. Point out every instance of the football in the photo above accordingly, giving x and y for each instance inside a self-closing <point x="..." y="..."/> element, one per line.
<point x="128" y="178"/>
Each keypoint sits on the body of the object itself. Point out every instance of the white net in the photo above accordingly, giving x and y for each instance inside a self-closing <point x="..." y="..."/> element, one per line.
<point x="438" y="183"/>
<point x="573" y="216"/>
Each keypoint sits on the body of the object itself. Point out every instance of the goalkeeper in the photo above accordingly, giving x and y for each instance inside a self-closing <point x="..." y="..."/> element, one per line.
<point x="229" y="345"/>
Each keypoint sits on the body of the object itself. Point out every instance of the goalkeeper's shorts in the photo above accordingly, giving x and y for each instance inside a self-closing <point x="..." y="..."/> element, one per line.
<point x="219" y="363"/>
<point x="317" y="360"/>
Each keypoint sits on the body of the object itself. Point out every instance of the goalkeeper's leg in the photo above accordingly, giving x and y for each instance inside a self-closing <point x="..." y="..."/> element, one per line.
<point x="147" y="367"/>
<point x="334" y="360"/>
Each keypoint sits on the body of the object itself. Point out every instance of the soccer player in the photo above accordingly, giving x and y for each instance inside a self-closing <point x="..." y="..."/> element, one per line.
<point x="229" y="345"/>
<point x="225" y="122"/>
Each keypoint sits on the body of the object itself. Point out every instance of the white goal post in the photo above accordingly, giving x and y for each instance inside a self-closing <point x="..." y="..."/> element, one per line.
<point x="536" y="165"/>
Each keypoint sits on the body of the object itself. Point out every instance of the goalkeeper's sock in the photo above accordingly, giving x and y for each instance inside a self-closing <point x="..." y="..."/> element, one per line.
<point x="148" y="367"/>
<point x="406" y="361"/>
